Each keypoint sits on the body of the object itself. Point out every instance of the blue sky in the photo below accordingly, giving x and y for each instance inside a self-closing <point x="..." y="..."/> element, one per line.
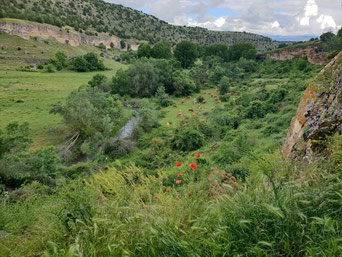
<point x="279" y="19"/>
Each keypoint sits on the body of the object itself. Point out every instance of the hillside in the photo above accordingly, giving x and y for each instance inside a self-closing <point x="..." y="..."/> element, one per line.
<point x="94" y="17"/>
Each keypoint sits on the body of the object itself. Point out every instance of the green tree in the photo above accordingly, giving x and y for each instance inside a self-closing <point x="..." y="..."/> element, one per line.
<point x="327" y="36"/>
<point x="183" y="83"/>
<point x="162" y="50"/>
<point x="246" y="50"/>
<point x="122" y="44"/>
<point x="224" y="85"/>
<point x="186" y="53"/>
<point x="220" y="50"/>
<point x="144" y="50"/>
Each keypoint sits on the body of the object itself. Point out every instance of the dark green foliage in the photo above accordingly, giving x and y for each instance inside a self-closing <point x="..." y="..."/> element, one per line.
<point x="162" y="98"/>
<point x="144" y="50"/>
<point x="139" y="80"/>
<point x="220" y="50"/>
<point x="245" y="50"/>
<point x="224" y="85"/>
<point x="118" y="147"/>
<point x="162" y="50"/>
<point x="183" y="83"/>
<point x="187" y="138"/>
<point x="255" y="110"/>
<point x="97" y="80"/>
<point x="122" y="44"/>
<point x="186" y="53"/>
<point x="327" y="36"/>
<point x="87" y="62"/>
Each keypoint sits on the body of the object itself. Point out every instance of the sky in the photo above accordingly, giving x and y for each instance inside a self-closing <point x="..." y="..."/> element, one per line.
<point x="279" y="19"/>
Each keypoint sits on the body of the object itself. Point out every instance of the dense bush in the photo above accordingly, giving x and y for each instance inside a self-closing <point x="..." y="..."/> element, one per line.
<point x="87" y="62"/>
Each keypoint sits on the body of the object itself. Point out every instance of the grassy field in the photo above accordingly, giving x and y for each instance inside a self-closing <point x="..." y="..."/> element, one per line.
<point x="28" y="97"/>
<point x="202" y="112"/>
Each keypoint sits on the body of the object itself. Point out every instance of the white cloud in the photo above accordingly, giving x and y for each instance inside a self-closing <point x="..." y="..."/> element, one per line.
<point x="271" y="17"/>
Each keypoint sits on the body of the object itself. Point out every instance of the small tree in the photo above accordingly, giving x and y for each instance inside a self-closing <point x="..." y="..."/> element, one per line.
<point x="111" y="45"/>
<point x="224" y="85"/>
<point x="122" y="44"/>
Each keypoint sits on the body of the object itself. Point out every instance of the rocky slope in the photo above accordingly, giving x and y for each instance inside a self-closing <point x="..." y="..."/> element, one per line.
<point x="314" y="54"/>
<point x="319" y="113"/>
<point x="25" y="29"/>
<point x="96" y="16"/>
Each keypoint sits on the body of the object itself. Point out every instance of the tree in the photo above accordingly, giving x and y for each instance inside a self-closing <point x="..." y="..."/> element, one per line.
<point x="243" y="49"/>
<point x="111" y="45"/>
<point x="183" y="84"/>
<point x="224" y="85"/>
<point x="97" y="80"/>
<point x="327" y="36"/>
<point x="89" y="111"/>
<point x="144" y="50"/>
<point x="122" y="44"/>
<point x="220" y="50"/>
<point x="162" y="50"/>
<point x="186" y="53"/>
<point x="339" y="33"/>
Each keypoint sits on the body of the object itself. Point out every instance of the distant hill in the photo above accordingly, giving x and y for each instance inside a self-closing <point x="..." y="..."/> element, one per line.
<point x="96" y="16"/>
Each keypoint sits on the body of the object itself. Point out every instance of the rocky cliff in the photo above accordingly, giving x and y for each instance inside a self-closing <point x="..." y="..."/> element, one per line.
<point x="314" y="53"/>
<point x="25" y="29"/>
<point x="319" y="113"/>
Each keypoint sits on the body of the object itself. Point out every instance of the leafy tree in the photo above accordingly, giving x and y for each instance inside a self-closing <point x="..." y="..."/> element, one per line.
<point x="246" y="50"/>
<point x="162" y="98"/>
<point x="80" y="64"/>
<point x="186" y="53"/>
<point x="60" y="61"/>
<point x="139" y="80"/>
<point x="97" y="80"/>
<point x="122" y="44"/>
<point x="144" y="50"/>
<point x="183" y="84"/>
<point x="89" y="111"/>
<point x="220" y="50"/>
<point x="339" y="33"/>
<point x="162" y="50"/>
<point x="112" y="45"/>
<point x="224" y="85"/>
<point x="255" y="110"/>
<point x="327" y="36"/>
<point x="88" y="62"/>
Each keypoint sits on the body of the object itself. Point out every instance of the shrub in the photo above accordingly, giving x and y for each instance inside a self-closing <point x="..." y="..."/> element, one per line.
<point x="224" y="85"/>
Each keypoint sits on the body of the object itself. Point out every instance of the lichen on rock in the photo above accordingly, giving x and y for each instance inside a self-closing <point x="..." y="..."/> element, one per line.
<point x="319" y="113"/>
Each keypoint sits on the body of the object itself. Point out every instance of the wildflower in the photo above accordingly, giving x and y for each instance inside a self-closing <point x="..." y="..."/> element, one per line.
<point x="197" y="155"/>
<point x="189" y="195"/>
<point x="178" y="181"/>
<point x="193" y="165"/>
<point x="178" y="164"/>
<point x="180" y="175"/>
<point x="167" y="190"/>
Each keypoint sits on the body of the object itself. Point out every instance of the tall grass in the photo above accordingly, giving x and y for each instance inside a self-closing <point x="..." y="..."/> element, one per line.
<point x="283" y="209"/>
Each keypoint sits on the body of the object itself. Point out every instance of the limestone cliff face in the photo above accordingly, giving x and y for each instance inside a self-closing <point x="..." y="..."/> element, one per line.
<point x="319" y="113"/>
<point x="314" y="53"/>
<point x="48" y="32"/>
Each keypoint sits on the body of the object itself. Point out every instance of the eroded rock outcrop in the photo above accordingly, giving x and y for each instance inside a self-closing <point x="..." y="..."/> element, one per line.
<point x="48" y="32"/>
<point x="319" y="113"/>
<point x="314" y="54"/>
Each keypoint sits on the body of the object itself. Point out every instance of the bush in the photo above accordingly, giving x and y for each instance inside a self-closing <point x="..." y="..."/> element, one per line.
<point x="162" y="50"/>
<point x="88" y="62"/>
<point x="183" y="83"/>
<point x="187" y="139"/>
<point x="50" y="68"/>
<point x="224" y="85"/>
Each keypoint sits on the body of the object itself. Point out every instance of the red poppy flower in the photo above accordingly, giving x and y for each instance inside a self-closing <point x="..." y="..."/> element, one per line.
<point x="193" y="165"/>
<point x="178" y="181"/>
<point x="178" y="164"/>
<point x="180" y="175"/>
<point x="198" y="155"/>
<point x="167" y="190"/>
<point x="189" y="195"/>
